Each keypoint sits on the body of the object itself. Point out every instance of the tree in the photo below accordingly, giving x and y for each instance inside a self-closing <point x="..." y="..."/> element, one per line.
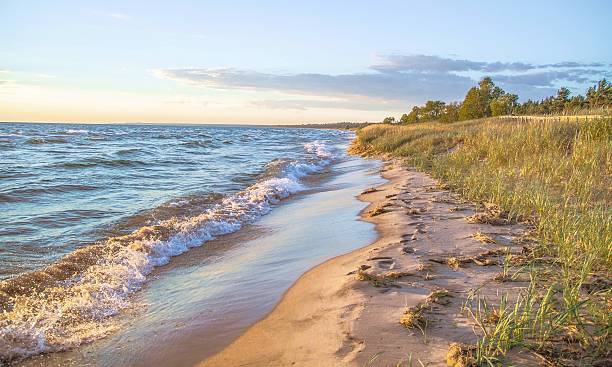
<point x="477" y="102"/>
<point x="597" y="96"/>
<point x="471" y="107"/>
<point x="408" y="118"/>
<point x="412" y="117"/>
<point x="433" y="110"/>
<point x="389" y="120"/>
<point x="504" y="104"/>
<point x="487" y="99"/>
<point x="562" y="98"/>
<point x="488" y="92"/>
<point x="600" y="95"/>
<point x="451" y="112"/>
<point x="576" y="103"/>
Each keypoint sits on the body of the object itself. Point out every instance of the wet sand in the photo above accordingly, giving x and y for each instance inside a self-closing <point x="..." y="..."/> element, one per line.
<point x="335" y="315"/>
<point x="204" y="299"/>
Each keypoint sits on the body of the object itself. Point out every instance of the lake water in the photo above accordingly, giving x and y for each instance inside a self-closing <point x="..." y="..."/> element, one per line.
<point x="94" y="218"/>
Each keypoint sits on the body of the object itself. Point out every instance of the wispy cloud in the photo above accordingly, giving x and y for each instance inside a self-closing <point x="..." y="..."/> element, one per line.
<point x="119" y="16"/>
<point x="550" y="78"/>
<point x="3" y="72"/>
<point x="346" y="104"/>
<point x="396" y="80"/>
<point x="572" y="64"/>
<point x="382" y="86"/>
<point x="437" y="64"/>
<point x="17" y="76"/>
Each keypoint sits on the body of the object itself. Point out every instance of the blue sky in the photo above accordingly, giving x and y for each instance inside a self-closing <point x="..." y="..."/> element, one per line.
<point x="285" y="62"/>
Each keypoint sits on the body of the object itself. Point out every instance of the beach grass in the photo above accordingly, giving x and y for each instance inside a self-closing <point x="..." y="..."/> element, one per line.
<point x="555" y="175"/>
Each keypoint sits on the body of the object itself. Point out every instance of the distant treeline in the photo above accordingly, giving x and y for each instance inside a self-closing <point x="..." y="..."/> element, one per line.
<point x="487" y="99"/>
<point x="334" y="125"/>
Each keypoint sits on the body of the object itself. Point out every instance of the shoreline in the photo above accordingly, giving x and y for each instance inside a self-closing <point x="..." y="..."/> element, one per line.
<point x="338" y="315"/>
<point x="302" y="303"/>
<point x="199" y="303"/>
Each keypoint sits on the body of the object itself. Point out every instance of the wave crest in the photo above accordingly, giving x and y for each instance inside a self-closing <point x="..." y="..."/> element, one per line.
<point x="69" y="302"/>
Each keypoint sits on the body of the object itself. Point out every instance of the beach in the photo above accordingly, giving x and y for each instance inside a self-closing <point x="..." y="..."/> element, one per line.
<point x="229" y="184"/>
<point x="201" y="300"/>
<point x="347" y="310"/>
<point x="323" y="258"/>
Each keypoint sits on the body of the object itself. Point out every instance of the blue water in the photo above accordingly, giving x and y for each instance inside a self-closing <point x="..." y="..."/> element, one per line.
<point x="89" y="210"/>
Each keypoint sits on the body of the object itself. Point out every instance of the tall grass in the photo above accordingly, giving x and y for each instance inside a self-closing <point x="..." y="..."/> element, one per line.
<point x="556" y="175"/>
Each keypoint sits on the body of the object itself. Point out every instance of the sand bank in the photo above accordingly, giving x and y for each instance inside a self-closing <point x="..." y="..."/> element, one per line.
<point x="203" y="300"/>
<point x="347" y="310"/>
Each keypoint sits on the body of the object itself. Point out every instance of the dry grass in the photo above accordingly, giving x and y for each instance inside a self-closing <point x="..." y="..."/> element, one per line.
<point x="369" y="191"/>
<point x="374" y="279"/>
<point x="412" y="317"/>
<point x="397" y="274"/>
<point x="482" y="237"/>
<point x="381" y="209"/>
<point x="381" y="280"/>
<point x="460" y="355"/>
<point x="487" y="218"/>
<point x="439" y="296"/>
<point x="424" y="267"/>
<point x="454" y="263"/>
<point x="554" y="174"/>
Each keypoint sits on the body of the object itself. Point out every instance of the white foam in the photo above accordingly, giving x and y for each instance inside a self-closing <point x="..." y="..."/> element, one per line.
<point x="319" y="148"/>
<point x="77" y="131"/>
<point x="80" y="313"/>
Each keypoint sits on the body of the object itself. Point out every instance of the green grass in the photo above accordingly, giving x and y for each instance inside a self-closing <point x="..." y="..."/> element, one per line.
<point x="557" y="175"/>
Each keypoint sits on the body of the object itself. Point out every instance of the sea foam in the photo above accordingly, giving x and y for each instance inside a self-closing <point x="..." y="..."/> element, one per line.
<point x="69" y="302"/>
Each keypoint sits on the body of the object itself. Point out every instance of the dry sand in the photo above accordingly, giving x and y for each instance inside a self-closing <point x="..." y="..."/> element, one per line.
<point x="332" y="318"/>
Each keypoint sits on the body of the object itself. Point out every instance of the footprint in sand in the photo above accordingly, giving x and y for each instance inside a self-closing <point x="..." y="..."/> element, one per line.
<point x="386" y="264"/>
<point x="408" y="250"/>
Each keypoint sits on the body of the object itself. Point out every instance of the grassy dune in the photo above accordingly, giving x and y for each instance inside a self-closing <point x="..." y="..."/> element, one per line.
<point x="557" y="175"/>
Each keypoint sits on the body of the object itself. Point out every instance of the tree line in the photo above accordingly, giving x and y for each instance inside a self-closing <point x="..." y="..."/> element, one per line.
<point x="487" y="100"/>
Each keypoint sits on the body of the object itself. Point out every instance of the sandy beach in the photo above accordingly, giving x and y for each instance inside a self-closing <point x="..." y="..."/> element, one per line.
<point x="199" y="303"/>
<point x="357" y="184"/>
<point x="347" y="311"/>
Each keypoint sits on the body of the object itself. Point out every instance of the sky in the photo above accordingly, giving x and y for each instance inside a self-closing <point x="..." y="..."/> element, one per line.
<point x="284" y="62"/>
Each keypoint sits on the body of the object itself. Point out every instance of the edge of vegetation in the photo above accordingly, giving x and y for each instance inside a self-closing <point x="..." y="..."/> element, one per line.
<point x="554" y="175"/>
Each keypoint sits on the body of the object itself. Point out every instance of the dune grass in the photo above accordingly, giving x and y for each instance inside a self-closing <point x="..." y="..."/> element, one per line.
<point x="556" y="175"/>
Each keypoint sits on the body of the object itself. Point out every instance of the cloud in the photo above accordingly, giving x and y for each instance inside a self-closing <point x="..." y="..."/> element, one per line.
<point x="25" y="75"/>
<point x="119" y="16"/>
<point x="550" y="78"/>
<point x="380" y="86"/>
<point x="572" y="64"/>
<point x="437" y="64"/>
<point x="396" y="82"/>
<point x="187" y="101"/>
<point x="3" y="71"/>
<point x="305" y="104"/>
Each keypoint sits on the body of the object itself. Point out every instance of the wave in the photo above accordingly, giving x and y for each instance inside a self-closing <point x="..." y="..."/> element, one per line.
<point x="129" y="151"/>
<point x="198" y="143"/>
<point x="25" y="194"/>
<point x="70" y="302"/>
<point x="76" y="131"/>
<point x="50" y="140"/>
<point x="93" y="162"/>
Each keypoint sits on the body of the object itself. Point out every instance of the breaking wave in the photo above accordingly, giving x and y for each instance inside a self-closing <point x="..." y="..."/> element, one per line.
<point x="69" y="302"/>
